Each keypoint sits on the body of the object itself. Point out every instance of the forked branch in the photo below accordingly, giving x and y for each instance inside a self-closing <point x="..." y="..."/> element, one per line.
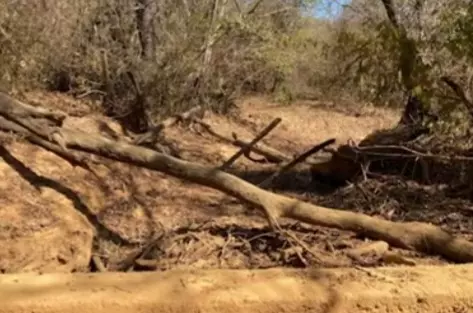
<point x="409" y="235"/>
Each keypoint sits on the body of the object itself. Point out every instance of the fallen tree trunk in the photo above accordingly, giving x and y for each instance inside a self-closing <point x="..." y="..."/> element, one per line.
<point x="73" y="159"/>
<point x="416" y="236"/>
<point x="413" y="235"/>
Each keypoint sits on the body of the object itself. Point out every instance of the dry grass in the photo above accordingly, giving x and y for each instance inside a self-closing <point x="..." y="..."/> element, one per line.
<point x="209" y="55"/>
<point x="200" y="54"/>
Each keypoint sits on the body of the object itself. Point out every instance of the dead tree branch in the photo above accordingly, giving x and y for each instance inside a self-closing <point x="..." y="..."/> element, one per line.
<point x="301" y="158"/>
<point x="459" y="92"/>
<point x="409" y="235"/>
<point x="247" y="148"/>
<point x="152" y="136"/>
<point x="270" y="154"/>
<point x="72" y="158"/>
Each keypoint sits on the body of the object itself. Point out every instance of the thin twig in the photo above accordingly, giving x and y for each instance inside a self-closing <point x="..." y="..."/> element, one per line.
<point x="222" y="251"/>
<point x="253" y="8"/>
<point x="414" y="153"/>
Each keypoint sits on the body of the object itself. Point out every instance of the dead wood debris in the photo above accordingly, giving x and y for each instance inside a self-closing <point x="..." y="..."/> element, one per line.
<point x="269" y="154"/>
<point x="403" y="152"/>
<point x="152" y="136"/>
<point x="416" y="236"/>
<point x="232" y="246"/>
<point x="97" y="262"/>
<point x="298" y="159"/>
<point x="245" y="149"/>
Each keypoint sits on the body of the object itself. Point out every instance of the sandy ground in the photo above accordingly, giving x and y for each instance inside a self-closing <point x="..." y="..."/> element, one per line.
<point x="387" y="290"/>
<point x="55" y="217"/>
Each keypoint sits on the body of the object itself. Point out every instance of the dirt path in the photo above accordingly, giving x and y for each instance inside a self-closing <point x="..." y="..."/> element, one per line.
<point x="393" y="290"/>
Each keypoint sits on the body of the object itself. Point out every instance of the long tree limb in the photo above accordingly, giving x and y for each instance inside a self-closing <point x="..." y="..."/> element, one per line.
<point x="409" y="235"/>
<point x="73" y="159"/>
<point x="301" y="158"/>
<point x="412" y="235"/>
<point x="19" y="109"/>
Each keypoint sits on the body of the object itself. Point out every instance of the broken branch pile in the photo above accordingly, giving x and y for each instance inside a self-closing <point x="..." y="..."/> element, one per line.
<point x="409" y="151"/>
<point x="47" y="129"/>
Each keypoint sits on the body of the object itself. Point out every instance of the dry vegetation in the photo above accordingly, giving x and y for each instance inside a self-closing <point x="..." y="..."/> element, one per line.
<point x="169" y="56"/>
<point x="139" y="62"/>
<point x="164" y="57"/>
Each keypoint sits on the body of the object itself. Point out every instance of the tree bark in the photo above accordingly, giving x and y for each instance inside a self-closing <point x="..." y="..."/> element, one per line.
<point x="144" y="16"/>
